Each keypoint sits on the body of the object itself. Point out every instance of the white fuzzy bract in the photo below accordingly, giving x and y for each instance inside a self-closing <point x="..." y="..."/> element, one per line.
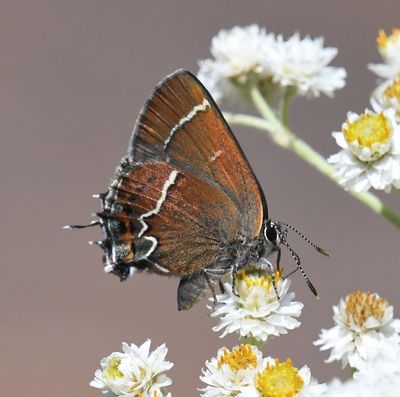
<point x="370" y="155"/>
<point x="303" y="65"/>
<point x="243" y="372"/>
<point x="134" y="372"/>
<point x="364" y="325"/>
<point x="250" y="55"/>
<point x="256" y="311"/>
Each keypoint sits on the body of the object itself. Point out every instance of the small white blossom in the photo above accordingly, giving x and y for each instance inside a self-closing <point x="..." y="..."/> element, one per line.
<point x="256" y="311"/>
<point x="370" y="155"/>
<point x="389" y="48"/>
<point x="232" y="373"/>
<point x="135" y="372"/>
<point x="303" y="64"/>
<point x="239" y="55"/>
<point x="364" y="325"/>
<point x="243" y="372"/>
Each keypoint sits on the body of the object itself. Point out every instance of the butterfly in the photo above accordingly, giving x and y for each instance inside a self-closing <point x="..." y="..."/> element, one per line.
<point x="184" y="201"/>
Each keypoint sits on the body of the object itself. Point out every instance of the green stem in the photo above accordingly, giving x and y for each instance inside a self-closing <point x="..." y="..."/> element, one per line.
<point x="251" y="340"/>
<point x="250" y="121"/>
<point x="284" y="105"/>
<point x="265" y="110"/>
<point x="308" y="154"/>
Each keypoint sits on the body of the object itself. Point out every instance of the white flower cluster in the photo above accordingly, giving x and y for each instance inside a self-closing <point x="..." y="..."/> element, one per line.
<point x="135" y="372"/>
<point x="243" y="372"/>
<point x="248" y="55"/>
<point x="370" y="142"/>
<point x="364" y="327"/>
<point x="254" y="309"/>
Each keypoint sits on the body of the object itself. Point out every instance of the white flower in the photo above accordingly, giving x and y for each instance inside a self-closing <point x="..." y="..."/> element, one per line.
<point x="232" y="373"/>
<point x="371" y="151"/>
<point x="135" y="372"/>
<point x="364" y="325"/>
<point x="389" y="48"/>
<point x="302" y="64"/>
<point x="256" y="311"/>
<point x="243" y="372"/>
<point x="239" y="55"/>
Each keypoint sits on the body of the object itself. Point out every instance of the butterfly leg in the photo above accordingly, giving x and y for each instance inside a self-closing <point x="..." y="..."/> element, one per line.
<point x="234" y="275"/>
<point x="275" y="289"/>
<point x="278" y="259"/>
<point x="266" y="265"/>
<point x="291" y="272"/>
<point x="219" y="272"/>
<point x="221" y="286"/>
<point x="211" y="286"/>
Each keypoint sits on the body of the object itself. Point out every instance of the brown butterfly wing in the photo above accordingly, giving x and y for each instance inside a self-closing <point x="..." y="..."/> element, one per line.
<point x="181" y="125"/>
<point x="167" y="218"/>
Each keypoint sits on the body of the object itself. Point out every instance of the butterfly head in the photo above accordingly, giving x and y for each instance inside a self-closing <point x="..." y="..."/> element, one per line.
<point x="275" y="234"/>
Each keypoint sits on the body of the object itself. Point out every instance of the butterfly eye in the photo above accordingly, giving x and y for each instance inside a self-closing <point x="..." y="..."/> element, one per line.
<point x="270" y="234"/>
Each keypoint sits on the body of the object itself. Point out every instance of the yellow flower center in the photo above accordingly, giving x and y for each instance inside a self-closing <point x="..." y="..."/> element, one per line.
<point x="257" y="279"/>
<point x="255" y="288"/>
<point x="112" y="371"/>
<point x="383" y="40"/>
<point x="239" y="358"/>
<point x="368" y="130"/>
<point x="361" y="305"/>
<point x="393" y="90"/>
<point x="279" y="380"/>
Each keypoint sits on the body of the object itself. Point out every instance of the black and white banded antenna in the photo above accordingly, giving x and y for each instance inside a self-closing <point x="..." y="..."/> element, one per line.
<point x="298" y="264"/>
<point x="305" y="238"/>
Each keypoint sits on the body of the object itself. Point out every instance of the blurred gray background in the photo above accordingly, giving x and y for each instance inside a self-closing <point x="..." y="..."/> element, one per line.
<point x="74" y="75"/>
